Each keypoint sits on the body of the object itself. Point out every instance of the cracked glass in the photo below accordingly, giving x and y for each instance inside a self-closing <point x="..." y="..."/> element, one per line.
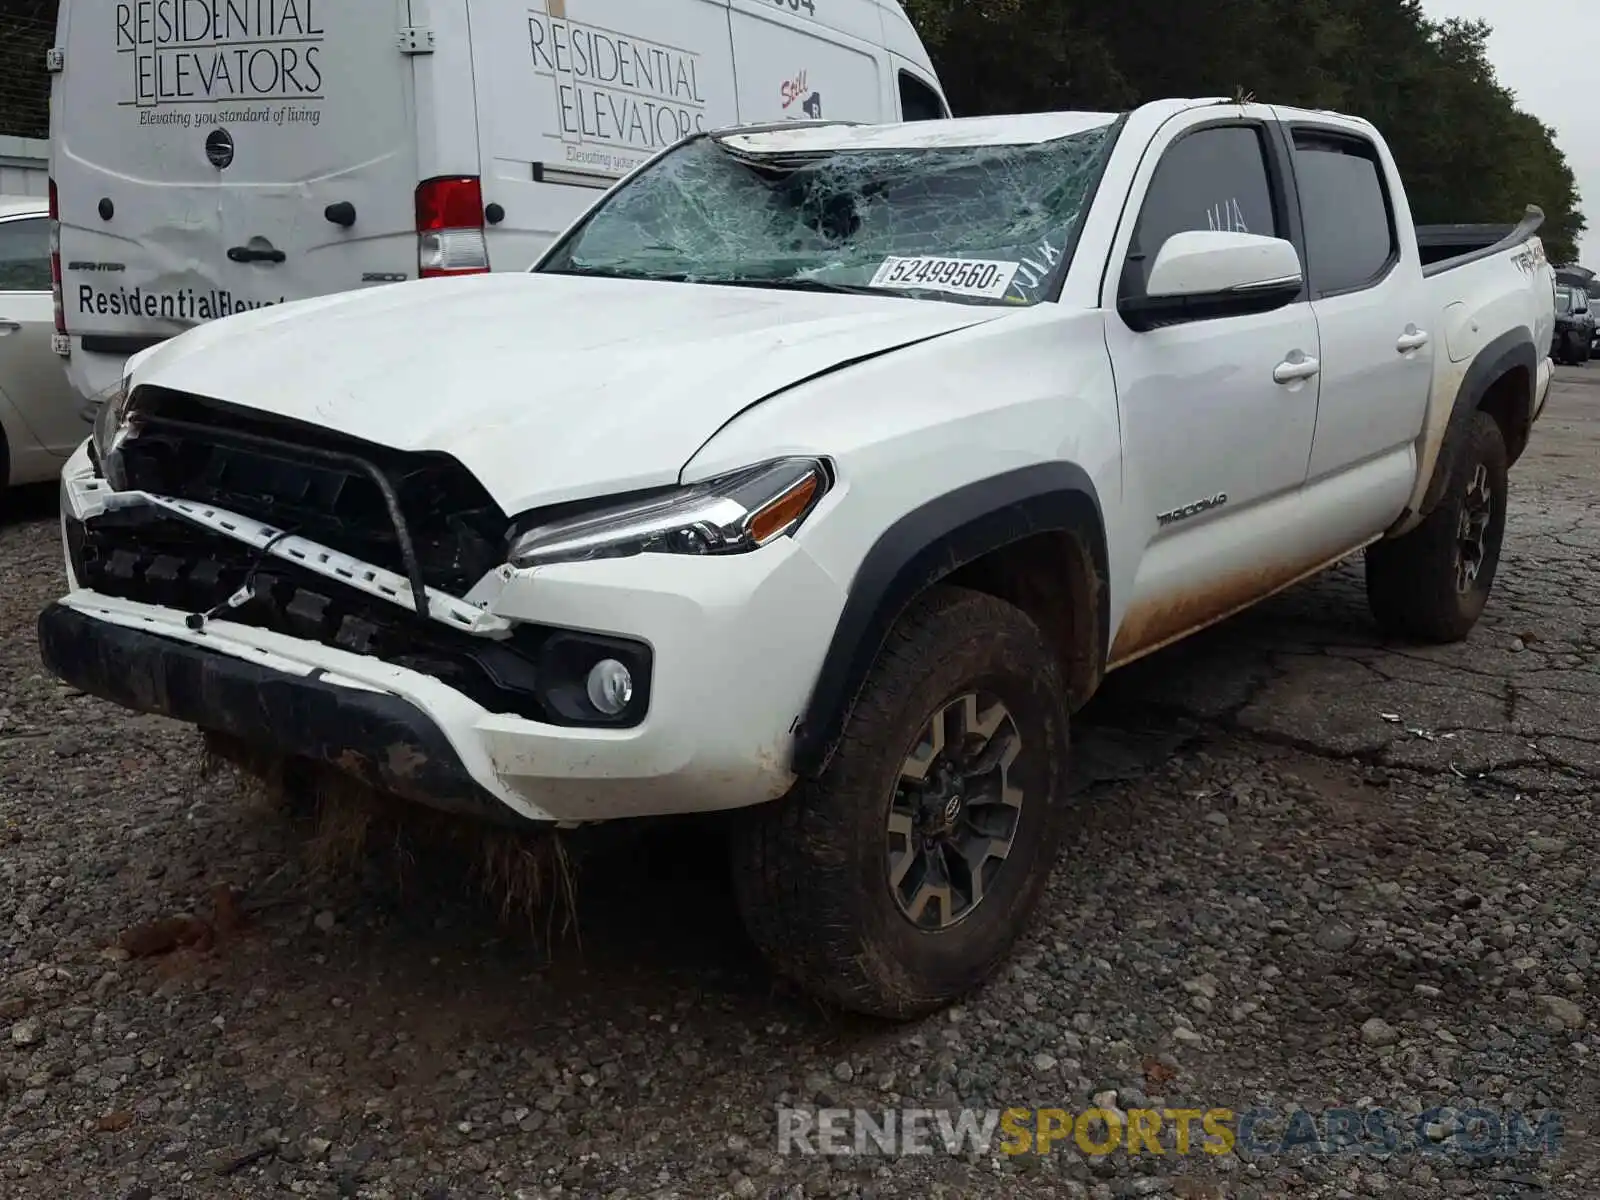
<point x="827" y="220"/>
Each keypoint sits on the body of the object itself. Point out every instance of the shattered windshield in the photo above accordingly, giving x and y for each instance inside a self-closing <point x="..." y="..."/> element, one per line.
<point x="980" y="224"/>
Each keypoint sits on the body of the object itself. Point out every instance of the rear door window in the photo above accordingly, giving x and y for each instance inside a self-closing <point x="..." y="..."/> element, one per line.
<point x="1350" y="236"/>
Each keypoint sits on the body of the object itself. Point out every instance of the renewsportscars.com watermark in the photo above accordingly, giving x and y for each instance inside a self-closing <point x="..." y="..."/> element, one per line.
<point x="1096" y="1132"/>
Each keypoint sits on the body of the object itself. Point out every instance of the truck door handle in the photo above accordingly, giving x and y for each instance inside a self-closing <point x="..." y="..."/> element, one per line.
<point x="243" y="254"/>
<point x="1294" y="369"/>
<point x="1412" y="339"/>
<point x="7" y="325"/>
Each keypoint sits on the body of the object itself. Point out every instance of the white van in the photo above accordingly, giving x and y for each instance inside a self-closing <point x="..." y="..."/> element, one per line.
<point x="210" y="156"/>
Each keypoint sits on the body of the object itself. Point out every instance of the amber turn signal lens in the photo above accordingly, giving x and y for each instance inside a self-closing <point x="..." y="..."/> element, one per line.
<point x="767" y="523"/>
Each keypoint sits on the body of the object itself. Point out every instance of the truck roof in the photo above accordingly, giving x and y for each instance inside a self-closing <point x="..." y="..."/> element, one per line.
<point x="1022" y="129"/>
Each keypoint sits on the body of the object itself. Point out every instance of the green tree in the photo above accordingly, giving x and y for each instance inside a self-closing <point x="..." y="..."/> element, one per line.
<point x="1466" y="151"/>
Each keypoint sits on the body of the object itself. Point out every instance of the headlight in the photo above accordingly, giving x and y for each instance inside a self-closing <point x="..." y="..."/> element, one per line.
<point x="111" y="409"/>
<point x="730" y="515"/>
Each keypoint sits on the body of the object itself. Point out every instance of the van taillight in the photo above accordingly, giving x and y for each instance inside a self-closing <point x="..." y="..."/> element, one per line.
<point x="62" y="345"/>
<point x="450" y="239"/>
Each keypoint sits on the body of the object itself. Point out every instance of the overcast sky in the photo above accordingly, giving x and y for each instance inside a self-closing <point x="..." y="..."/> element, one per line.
<point x="1546" y="51"/>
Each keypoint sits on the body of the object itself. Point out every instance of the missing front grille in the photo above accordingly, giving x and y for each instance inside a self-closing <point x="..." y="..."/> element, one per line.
<point x="142" y="555"/>
<point x="285" y="473"/>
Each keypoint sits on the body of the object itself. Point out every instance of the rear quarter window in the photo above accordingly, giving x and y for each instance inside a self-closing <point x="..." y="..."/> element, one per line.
<point x="1349" y="221"/>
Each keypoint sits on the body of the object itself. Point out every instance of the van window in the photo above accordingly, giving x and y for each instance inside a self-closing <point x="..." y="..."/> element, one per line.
<point x="25" y="255"/>
<point x="1350" y="239"/>
<point x="1210" y="179"/>
<point x="918" y="101"/>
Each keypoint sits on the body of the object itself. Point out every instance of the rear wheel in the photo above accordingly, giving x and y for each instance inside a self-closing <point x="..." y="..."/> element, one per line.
<point x="898" y="881"/>
<point x="1432" y="583"/>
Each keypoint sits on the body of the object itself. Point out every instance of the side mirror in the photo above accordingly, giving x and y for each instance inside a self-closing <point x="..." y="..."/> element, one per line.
<point x="1204" y="274"/>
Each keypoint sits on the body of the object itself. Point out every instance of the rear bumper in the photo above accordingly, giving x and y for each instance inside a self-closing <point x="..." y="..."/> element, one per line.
<point x="378" y="737"/>
<point x="96" y="368"/>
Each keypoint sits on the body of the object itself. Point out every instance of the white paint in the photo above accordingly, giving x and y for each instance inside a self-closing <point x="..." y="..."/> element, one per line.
<point x="1203" y="262"/>
<point x="1315" y="437"/>
<point x="575" y="94"/>
<point x="549" y="388"/>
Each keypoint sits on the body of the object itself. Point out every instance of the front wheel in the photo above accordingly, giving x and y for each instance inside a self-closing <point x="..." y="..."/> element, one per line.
<point x="898" y="881"/>
<point x="1433" y="582"/>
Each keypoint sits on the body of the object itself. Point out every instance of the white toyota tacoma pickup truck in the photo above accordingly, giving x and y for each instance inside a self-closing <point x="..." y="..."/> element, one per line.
<point x="820" y="472"/>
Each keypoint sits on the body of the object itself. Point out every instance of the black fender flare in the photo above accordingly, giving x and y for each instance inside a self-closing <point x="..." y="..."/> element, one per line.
<point x="927" y="545"/>
<point x="1510" y="351"/>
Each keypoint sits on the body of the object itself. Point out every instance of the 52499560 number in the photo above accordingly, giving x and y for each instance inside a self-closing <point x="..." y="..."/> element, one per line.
<point x="957" y="276"/>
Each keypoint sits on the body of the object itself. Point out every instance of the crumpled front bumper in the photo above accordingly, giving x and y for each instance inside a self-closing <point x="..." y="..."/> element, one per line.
<point x="375" y="736"/>
<point x="736" y="643"/>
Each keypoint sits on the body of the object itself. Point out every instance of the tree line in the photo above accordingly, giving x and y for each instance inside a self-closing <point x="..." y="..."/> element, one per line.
<point x="1467" y="152"/>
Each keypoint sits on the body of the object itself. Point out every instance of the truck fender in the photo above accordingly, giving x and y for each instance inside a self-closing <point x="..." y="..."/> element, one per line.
<point x="926" y="545"/>
<point x="1510" y="353"/>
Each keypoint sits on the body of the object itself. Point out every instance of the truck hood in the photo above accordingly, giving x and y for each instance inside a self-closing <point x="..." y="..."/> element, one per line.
<point x="546" y="387"/>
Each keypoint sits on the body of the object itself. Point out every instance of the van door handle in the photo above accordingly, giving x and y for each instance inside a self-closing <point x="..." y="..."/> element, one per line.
<point x="243" y="254"/>
<point x="7" y="325"/>
<point x="1295" y="368"/>
<point x="1412" y="339"/>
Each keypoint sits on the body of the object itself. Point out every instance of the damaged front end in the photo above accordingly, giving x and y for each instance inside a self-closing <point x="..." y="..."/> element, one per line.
<point x="226" y="514"/>
<point x="220" y="515"/>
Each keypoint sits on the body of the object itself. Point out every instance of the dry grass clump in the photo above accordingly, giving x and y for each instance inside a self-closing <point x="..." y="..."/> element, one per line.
<point x="529" y="876"/>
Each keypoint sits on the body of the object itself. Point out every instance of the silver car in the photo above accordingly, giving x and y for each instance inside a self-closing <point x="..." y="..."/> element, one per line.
<point x="40" y="413"/>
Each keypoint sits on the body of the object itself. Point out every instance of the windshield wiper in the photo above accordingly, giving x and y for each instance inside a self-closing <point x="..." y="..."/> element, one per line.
<point x="808" y="285"/>
<point x="617" y="273"/>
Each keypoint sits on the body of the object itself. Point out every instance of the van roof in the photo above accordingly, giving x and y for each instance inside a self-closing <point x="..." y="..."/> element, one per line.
<point x="1023" y="130"/>
<point x="24" y="206"/>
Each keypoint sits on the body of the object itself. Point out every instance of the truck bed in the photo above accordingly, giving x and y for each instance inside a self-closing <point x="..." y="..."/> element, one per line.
<point x="1446" y="247"/>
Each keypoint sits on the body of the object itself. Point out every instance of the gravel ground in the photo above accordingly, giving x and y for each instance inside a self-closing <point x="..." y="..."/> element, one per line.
<point x="1313" y="871"/>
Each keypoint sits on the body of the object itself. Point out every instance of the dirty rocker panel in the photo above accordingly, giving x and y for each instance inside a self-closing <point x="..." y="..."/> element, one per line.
<point x="381" y="739"/>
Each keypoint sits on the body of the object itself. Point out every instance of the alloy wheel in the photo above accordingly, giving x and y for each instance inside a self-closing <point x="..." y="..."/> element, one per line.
<point x="955" y="811"/>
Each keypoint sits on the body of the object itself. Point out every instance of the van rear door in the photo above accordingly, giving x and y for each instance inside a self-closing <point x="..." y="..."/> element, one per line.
<point x="218" y="155"/>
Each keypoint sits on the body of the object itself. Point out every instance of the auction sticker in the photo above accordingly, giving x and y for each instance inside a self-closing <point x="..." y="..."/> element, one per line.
<point x="958" y="276"/>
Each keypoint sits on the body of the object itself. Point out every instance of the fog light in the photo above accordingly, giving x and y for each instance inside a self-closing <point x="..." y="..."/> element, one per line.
<point x="610" y="686"/>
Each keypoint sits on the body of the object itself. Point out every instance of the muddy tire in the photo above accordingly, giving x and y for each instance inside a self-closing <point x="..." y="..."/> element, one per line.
<point x="860" y="886"/>
<point x="1432" y="583"/>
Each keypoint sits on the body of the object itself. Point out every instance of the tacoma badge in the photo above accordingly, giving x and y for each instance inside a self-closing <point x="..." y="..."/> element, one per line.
<point x="1184" y="512"/>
